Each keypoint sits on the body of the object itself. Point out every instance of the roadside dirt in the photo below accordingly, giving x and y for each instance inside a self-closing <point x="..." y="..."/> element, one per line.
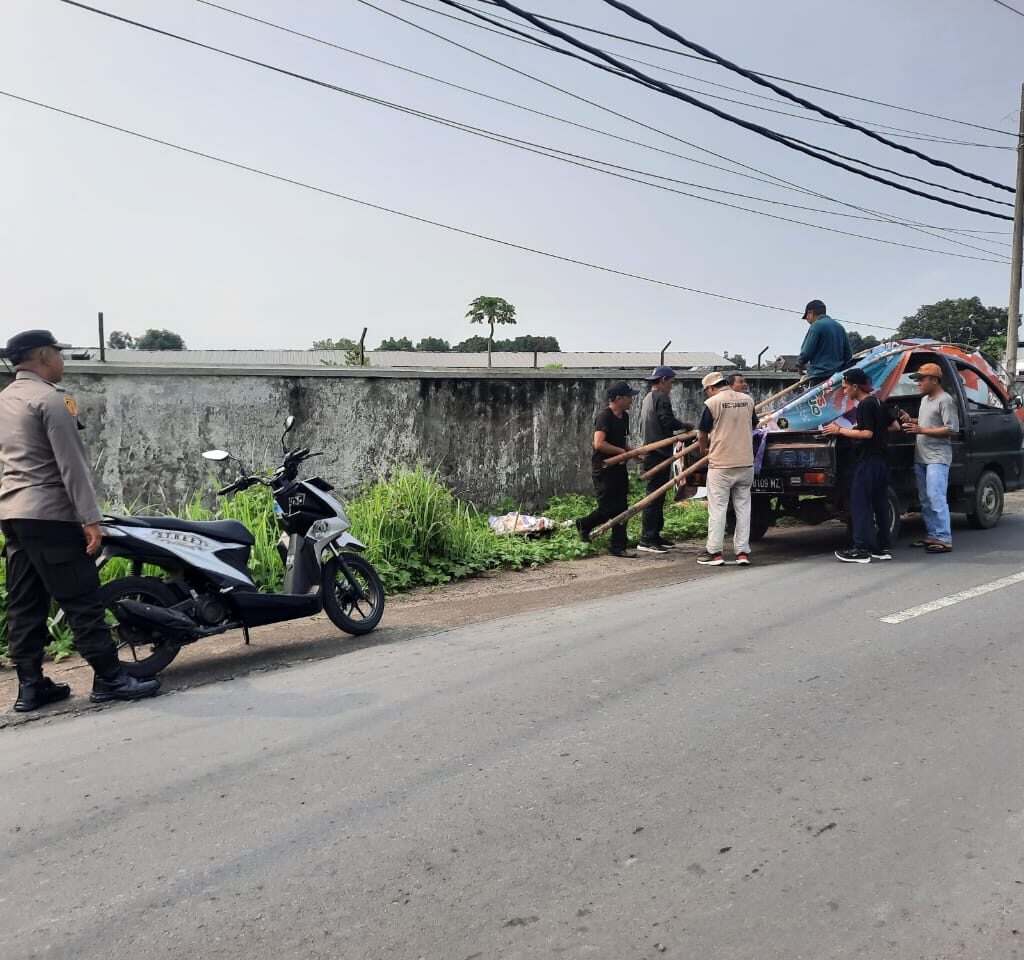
<point x="425" y="611"/>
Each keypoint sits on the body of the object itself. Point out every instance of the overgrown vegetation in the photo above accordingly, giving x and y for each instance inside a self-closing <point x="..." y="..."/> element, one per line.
<point x="417" y="533"/>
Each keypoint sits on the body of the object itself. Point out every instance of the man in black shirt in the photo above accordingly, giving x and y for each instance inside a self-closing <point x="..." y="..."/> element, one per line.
<point x="657" y="422"/>
<point x="869" y="489"/>
<point x="611" y="437"/>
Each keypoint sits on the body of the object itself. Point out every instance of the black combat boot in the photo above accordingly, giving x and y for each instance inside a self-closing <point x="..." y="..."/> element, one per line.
<point x="122" y="686"/>
<point x="35" y="690"/>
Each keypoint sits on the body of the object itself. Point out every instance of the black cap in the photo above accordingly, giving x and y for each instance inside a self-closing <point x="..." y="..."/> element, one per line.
<point x="620" y="389"/>
<point x="815" y="306"/>
<point x="858" y="377"/>
<point x="660" y="373"/>
<point x="21" y="343"/>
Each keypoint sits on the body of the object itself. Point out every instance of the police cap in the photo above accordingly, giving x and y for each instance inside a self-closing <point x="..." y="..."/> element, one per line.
<point x="22" y="343"/>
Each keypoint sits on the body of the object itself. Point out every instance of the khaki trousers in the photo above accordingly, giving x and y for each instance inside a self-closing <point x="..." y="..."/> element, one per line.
<point x="727" y="484"/>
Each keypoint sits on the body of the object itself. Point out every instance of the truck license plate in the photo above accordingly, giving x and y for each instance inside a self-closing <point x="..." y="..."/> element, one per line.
<point x="767" y="485"/>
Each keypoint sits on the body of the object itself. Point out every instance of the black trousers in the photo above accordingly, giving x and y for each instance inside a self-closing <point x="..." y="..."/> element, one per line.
<point x="612" y="486"/>
<point x="869" y="504"/>
<point x="654" y="512"/>
<point x="46" y="560"/>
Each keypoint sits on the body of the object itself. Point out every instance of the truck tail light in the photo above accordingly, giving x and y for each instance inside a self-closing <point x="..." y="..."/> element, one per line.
<point x="815" y="478"/>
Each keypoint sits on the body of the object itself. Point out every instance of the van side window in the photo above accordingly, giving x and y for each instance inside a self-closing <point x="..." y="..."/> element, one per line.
<point x="980" y="393"/>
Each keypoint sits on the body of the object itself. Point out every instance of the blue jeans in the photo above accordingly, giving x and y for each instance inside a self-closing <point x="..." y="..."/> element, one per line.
<point x="932" y="481"/>
<point x="869" y="504"/>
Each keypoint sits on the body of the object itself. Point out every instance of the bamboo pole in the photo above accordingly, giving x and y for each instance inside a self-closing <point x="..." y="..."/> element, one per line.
<point x="640" y="504"/>
<point x="656" y="445"/>
<point x="778" y="396"/>
<point x="664" y="463"/>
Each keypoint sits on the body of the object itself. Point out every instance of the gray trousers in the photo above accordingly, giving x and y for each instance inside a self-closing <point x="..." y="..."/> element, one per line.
<point x="727" y="484"/>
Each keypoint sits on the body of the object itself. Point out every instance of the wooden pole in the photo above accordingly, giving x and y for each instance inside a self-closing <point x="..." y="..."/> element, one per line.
<point x="664" y="463"/>
<point x="640" y="504"/>
<point x="1013" y="312"/>
<point x="657" y="445"/>
<point x="779" y="395"/>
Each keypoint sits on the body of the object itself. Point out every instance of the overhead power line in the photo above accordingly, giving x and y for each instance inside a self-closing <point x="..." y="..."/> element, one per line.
<point x="566" y="156"/>
<point x="1002" y="3"/>
<point x="409" y="216"/>
<point x="491" y="135"/>
<point x="661" y="87"/>
<point x="901" y="133"/>
<point x="796" y="83"/>
<point x="741" y="71"/>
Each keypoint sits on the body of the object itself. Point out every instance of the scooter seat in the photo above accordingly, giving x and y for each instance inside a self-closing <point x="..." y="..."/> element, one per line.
<point x="230" y="530"/>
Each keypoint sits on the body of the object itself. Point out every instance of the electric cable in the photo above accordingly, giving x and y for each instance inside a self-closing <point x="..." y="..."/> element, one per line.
<point x="378" y="101"/>
<point x="796" y="83"/>
<point x="878" y="216"/>
<point x="900" y="132"/>
<point x="783" y="92"/>
<point x="410" y="216"/>
<point x="746" y="124"/>
<point x="1003" y="3"/>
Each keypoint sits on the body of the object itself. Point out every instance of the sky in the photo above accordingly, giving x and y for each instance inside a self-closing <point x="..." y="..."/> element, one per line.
<point x="96" y="220"/>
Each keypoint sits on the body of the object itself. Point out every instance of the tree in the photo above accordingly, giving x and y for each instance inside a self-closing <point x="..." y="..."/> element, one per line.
<point x="859" y="342"/>
<point x="491" y="310"/>
<point x="159" y="340"/>
<point x="394" y="344"/>
<point x="342" y="343"/>
<point x="433" y="345"/>
<point x="528" y="343"/>
<point x="471" y="345"/>
<point x="738" y="359"/>
<point x="995" y="347"/>
<point x="958" y="321"/>
<point x="119" y="340"/>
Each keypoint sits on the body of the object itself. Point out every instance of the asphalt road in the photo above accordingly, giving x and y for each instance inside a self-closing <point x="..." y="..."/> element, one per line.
<point x="748" y="765"/>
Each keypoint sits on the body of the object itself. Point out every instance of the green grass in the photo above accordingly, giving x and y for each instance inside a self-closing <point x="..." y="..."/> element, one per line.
<point x="417" y="533"/>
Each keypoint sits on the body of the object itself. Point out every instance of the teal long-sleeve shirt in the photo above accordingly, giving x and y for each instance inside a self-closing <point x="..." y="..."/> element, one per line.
<point x="826" y="348"/>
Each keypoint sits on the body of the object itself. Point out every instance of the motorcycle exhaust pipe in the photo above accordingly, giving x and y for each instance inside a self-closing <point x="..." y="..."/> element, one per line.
<point x="168" y="623"/>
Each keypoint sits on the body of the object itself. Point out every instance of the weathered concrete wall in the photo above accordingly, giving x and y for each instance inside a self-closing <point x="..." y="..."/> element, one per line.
<point x="524" y="435"/>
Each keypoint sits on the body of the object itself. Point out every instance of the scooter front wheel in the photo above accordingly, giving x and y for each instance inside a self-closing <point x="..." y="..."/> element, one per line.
<point x="141" y="654"/>
<point x="353" y="593"/>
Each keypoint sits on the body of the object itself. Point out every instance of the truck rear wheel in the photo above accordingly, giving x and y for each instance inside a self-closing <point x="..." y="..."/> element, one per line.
<point x="987" y="506"/>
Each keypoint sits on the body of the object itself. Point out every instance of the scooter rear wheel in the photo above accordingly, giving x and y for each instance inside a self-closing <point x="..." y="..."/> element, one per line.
<point x="355" y="607"/>
<point x="141" y="655"/>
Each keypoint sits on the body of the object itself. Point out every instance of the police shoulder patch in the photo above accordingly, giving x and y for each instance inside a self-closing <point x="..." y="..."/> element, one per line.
<point x="69" y="402"/>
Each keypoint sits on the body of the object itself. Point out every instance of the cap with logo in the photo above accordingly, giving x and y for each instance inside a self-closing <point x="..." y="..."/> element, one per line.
<point x="713" y="380"/>
<point x="620" y="389"/>
<point x="660" y="373"/>
<point x="927" y="370"/>
<point x="816" y="307"/>
<point x="22" y="343"/>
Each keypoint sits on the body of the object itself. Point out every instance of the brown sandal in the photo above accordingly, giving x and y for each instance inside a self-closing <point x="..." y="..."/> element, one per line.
<point x="938" y="548"/>
<point x="922" y="543"/>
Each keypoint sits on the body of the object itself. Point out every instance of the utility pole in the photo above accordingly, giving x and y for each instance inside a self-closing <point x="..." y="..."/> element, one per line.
<point x="103" y="342"/>
<point x="1013" y="311"/>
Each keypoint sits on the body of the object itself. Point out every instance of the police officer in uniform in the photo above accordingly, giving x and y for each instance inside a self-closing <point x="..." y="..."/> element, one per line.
<point x="50" y="518"/>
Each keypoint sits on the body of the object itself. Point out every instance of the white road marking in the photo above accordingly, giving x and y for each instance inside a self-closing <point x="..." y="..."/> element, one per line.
<point x="953" y="598"/>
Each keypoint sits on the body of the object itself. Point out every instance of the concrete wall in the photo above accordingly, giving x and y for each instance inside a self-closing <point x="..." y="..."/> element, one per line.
<point x="523" y="435"/>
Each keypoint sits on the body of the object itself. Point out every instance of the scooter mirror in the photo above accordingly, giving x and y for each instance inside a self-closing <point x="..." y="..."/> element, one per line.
<point x="289" y="423"/>
<point x="216" y="454"/>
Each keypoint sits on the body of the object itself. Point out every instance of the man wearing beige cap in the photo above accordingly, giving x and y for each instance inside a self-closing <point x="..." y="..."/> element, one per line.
<point x="935" y="424"/>
<point x="725" y="434"/>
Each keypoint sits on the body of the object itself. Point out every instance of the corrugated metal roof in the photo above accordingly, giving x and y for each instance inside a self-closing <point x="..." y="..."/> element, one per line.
<point x="680" y="360"/>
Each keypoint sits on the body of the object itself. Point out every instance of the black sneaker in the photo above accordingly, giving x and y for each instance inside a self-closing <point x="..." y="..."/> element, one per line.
<point x="643" y="547"/>
<point x="667" y="544"/>
<point x="854" y="555"/>
<point x="710" y="559"/>
<point x="123" y="687"/>
<point x="584" y="534"/>
<point x="881" y="555"/>
<point x="623" y="552"/>
<point x="33" y="694"/>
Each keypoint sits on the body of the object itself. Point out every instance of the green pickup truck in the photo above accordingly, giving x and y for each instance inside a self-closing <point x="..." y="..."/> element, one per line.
<point x="806" y="474"/>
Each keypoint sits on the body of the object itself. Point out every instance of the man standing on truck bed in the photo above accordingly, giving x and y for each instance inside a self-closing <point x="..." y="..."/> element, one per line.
<point x="657" y="422"/>
<point x="826" y="347"/>
<point x="869" y="488"/>
<point x="726" y="438"/>
<point x="935" y="424"/>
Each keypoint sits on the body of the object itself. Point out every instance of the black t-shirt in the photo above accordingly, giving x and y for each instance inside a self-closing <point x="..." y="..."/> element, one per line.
<point x="871" y="415"/>
<point x="616" y="430"/>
